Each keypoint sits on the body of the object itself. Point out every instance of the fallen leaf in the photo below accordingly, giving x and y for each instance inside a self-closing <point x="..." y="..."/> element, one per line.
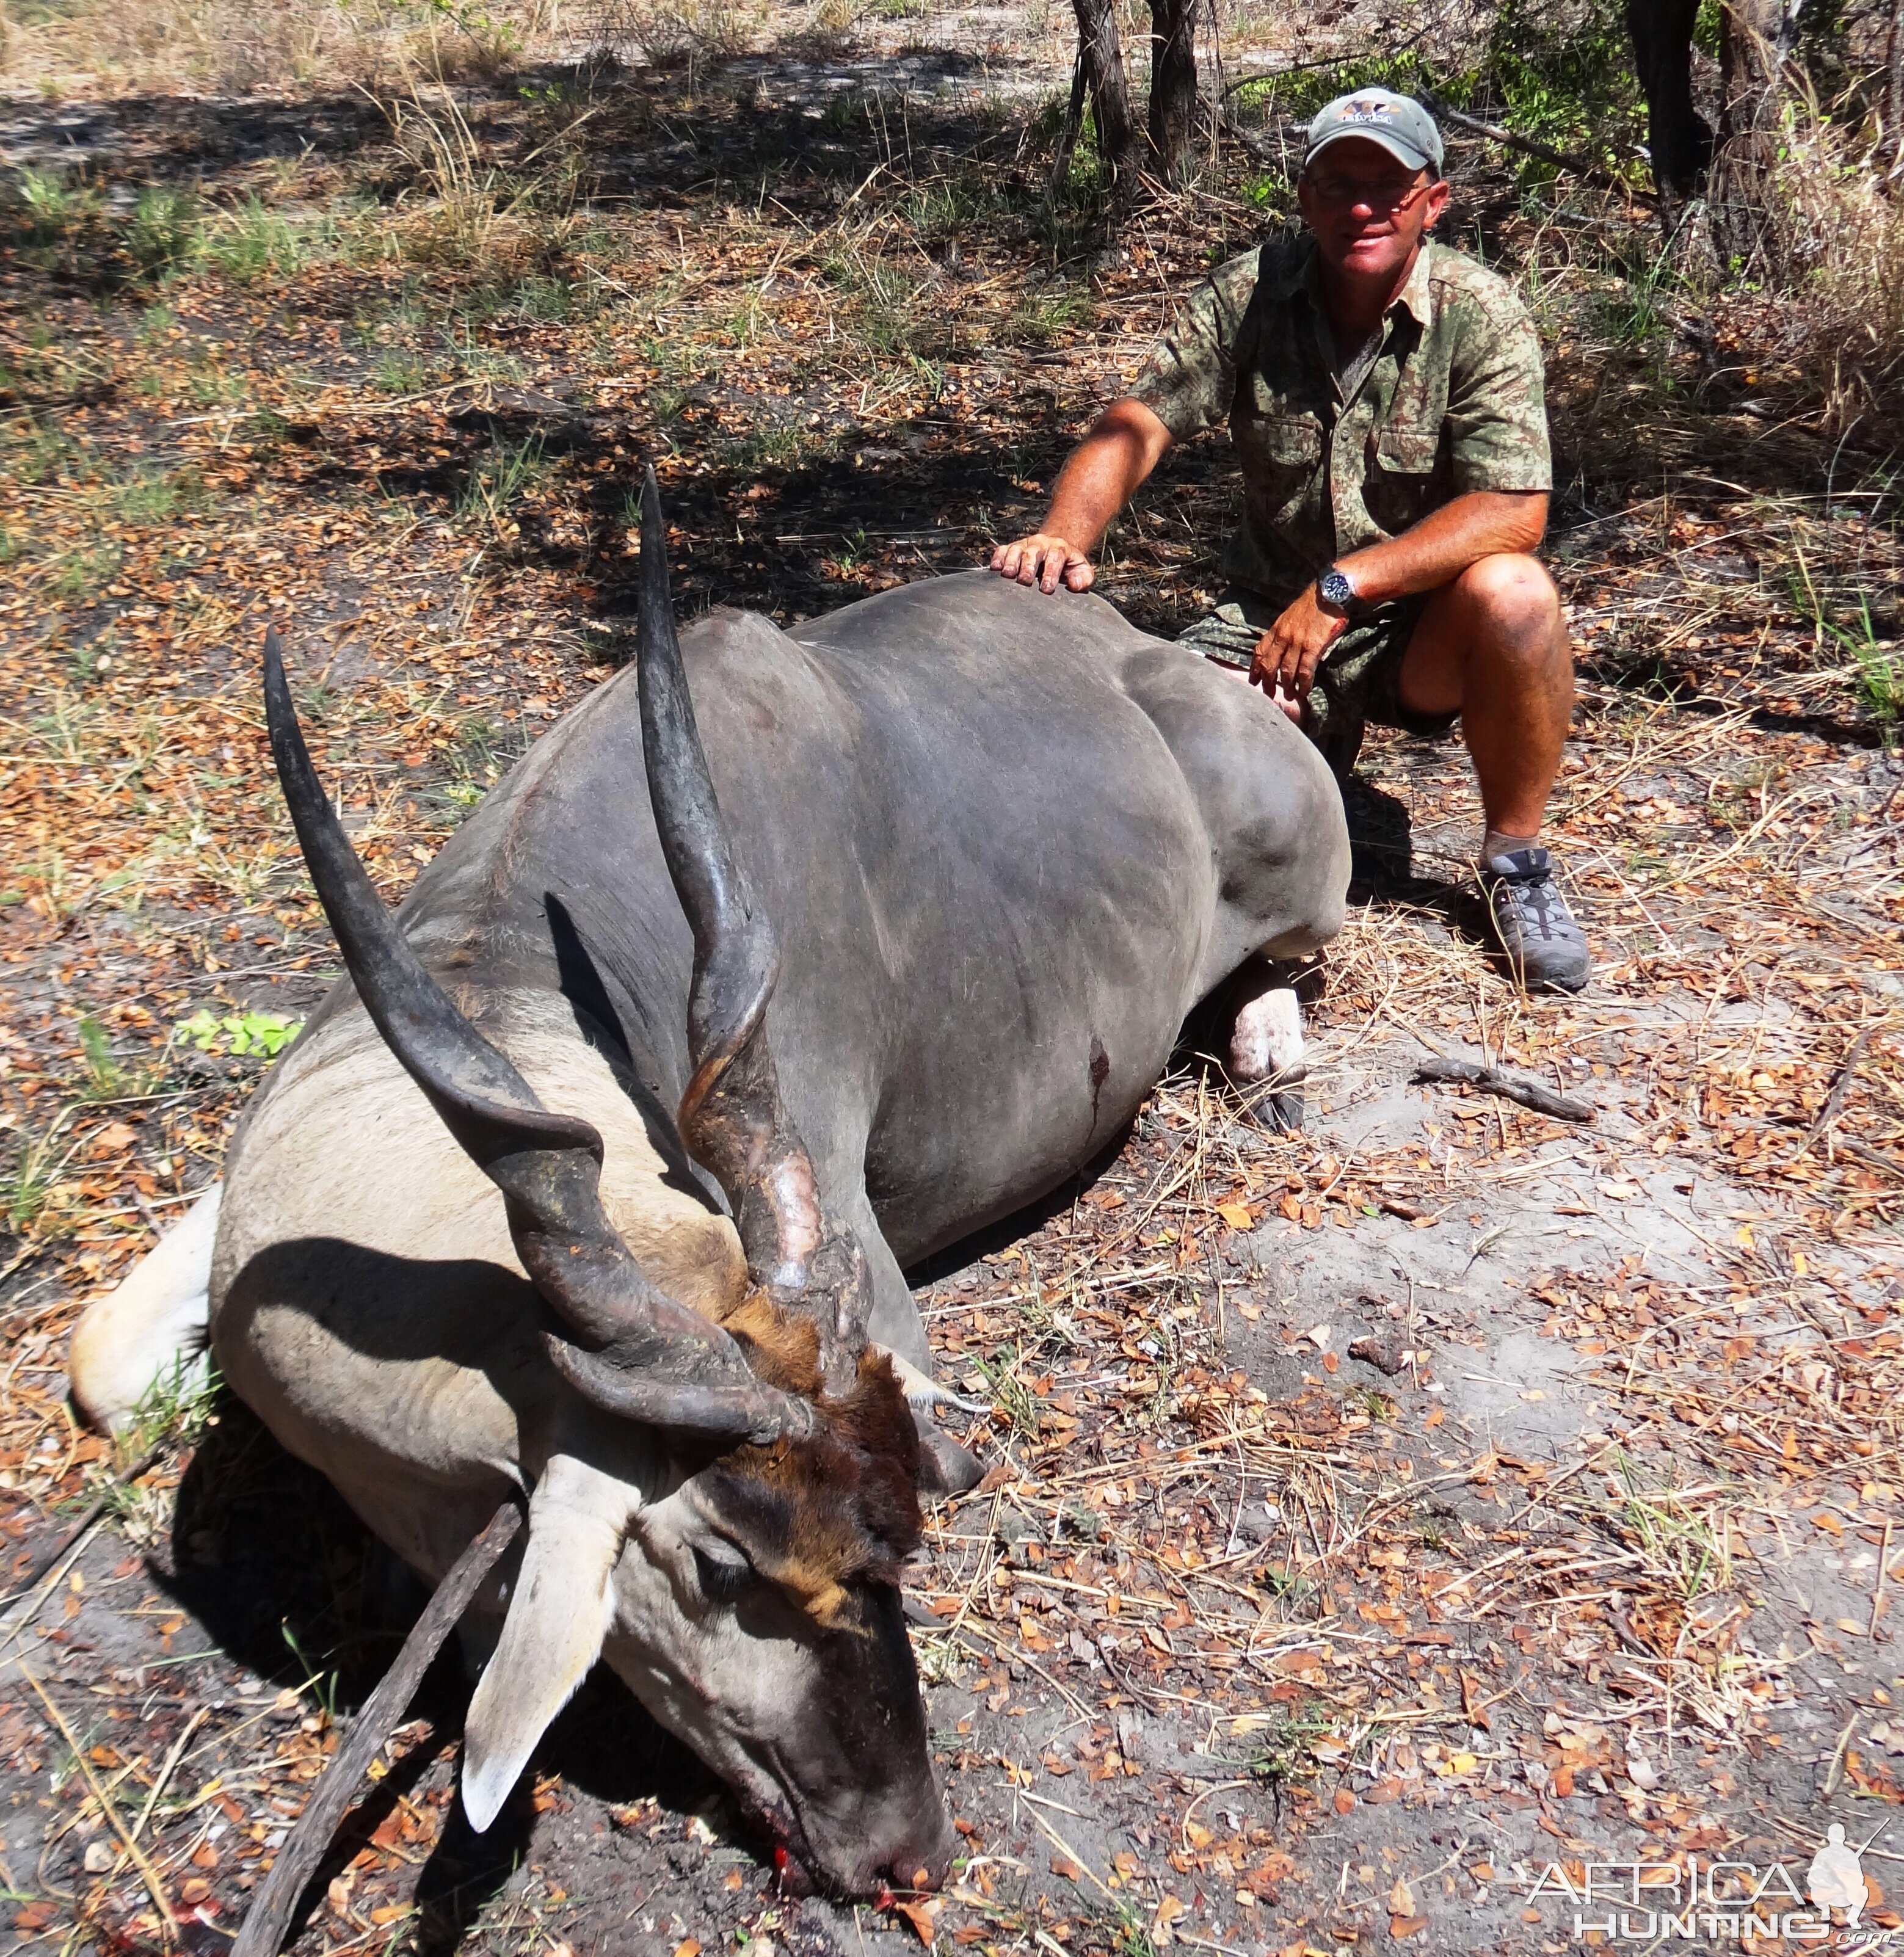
<point x="1237" y="1215"/>
<point x="1400" y="1926"/>
<point x="1401" y="1897"/>
<point x="919" y="1914"/>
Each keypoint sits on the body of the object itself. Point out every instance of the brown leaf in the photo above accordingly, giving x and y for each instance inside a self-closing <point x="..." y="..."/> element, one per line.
<point x="919" y="1914"/>
<point x="1386" y="1355"/>
<point x="1400" y="1926"/>
<point x="1472" y="1703"/>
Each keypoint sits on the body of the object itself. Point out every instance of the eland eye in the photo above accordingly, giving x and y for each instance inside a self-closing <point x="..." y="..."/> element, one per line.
<point x="725" y="1574"/>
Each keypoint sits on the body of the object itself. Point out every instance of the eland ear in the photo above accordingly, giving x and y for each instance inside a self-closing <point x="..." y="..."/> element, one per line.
<point x="945" y="1468"/>
<point x="553" y="1632"/>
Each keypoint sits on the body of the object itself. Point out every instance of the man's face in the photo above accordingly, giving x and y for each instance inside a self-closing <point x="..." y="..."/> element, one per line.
<point x="1368" y="209"/>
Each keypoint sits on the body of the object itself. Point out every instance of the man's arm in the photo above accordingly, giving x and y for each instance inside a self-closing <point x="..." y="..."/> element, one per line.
<point x="1104" y="472"/>
<point x="1485" y="523"/>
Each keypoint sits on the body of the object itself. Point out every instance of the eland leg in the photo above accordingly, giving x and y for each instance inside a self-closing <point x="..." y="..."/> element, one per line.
<point x="1266" y="1046"/>
<point x="150" y="1330"/>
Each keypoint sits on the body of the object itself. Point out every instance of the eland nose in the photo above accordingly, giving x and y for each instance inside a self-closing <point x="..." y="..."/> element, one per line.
<point x="921" y="1856"/>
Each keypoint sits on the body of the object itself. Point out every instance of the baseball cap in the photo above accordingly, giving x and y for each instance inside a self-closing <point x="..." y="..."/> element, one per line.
<point x="1398" y="122"/>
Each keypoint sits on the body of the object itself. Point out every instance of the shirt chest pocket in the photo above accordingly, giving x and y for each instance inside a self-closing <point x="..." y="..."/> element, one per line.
<point x="1403" y="482"/>
<point x="1280" y="455"/>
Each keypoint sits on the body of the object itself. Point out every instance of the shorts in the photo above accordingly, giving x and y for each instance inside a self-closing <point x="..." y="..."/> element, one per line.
<point x="1358" y="681"/>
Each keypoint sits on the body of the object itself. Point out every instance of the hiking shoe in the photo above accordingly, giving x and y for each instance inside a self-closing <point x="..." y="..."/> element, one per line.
<point x="1532" y="923"/>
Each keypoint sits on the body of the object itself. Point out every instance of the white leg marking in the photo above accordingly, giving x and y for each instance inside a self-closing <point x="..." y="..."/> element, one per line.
<point x="151" y="1326"/>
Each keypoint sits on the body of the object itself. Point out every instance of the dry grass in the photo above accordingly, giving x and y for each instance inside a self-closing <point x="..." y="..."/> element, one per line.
<point x="231" y="47"/>
<point x="1831" y="238"/>
<point x="670" y="33"/>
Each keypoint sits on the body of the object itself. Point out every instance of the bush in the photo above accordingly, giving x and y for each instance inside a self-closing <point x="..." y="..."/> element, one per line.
<point x="1559" y="71"/>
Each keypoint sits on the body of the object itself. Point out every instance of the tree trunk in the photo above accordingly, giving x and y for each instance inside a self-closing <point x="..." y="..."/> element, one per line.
<point x="1893" y="88"/>
<point x="1173" y="84"/>
<point x="1751" y="51"/>
<point x="1067" y="136"/>
<point x="1102" y="54"/>
<point x="1678" y="137"/>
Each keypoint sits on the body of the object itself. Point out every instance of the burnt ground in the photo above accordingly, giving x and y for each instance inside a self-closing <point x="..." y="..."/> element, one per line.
<point x="1378" y="1514"/>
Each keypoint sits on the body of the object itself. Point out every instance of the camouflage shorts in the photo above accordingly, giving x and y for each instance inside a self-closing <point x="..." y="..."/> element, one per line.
<point x="1358" y="682"/>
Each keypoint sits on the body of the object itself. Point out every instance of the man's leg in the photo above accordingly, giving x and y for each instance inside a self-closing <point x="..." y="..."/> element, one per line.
<point x="1492" y="647"/>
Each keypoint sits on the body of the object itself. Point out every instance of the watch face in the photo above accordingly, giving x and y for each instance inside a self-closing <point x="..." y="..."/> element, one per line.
<point x="1336" y="590"/>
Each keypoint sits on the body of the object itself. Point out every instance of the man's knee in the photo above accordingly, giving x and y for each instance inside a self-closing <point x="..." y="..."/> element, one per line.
<point x="1513" y="598"/>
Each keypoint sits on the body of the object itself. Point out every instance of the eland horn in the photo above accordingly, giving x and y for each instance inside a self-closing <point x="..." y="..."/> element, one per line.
<point x="625" y="1345"/>
<point x="732" y="1118"/>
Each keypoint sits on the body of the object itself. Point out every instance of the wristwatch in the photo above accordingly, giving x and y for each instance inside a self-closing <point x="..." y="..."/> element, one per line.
<point x="1335" y="593"/>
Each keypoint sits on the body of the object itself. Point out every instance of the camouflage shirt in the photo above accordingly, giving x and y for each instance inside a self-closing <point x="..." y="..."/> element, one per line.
<point x="1453" y="402"/>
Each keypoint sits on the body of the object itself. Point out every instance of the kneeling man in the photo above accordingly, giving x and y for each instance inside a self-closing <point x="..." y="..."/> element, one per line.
<point x="1384" y="395"/>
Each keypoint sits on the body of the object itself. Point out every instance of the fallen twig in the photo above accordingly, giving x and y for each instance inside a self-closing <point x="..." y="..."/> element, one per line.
<point x="1835" y="1100"/>
<point x="1510" y="1087"/>
<point x="154" y="1884"/>
<point x="264" y="1927"/>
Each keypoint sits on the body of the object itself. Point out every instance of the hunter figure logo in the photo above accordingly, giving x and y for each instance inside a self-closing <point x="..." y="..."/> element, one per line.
<point x="1835" y="1879"/>
<point x="1368" y="108"/>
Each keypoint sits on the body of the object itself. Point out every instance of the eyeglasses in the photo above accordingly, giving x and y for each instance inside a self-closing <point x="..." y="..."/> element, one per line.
<point x="1391" y="194"/>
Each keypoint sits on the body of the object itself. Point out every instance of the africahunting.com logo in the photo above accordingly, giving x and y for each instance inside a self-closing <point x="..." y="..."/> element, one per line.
<point x="1822" y="1906"/>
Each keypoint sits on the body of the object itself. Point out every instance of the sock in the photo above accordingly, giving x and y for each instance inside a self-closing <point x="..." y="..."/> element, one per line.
<point x="1497" y="842"/>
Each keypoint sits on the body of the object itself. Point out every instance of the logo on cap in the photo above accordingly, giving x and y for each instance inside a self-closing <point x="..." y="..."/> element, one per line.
<point x="1366" y="108"/>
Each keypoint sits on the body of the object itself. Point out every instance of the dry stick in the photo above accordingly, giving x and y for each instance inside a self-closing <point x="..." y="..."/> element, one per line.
<point x="298" y="1860"/>
<point x="154" y="1884"/>
<point x="165" y="1772"/>
<point x="1510" y="1086"/>
<point x="1835" y="1100"/>
<point x="1877" y="1589"/>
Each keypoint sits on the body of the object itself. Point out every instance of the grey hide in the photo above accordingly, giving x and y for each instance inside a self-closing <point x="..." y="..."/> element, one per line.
<point x="1007" y="842"/>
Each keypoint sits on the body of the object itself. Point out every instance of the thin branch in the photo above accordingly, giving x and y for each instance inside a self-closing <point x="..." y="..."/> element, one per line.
<point x="1509" y="1086"/>
<point x="297" y="1860"/>
<point x="1580" y="167"/>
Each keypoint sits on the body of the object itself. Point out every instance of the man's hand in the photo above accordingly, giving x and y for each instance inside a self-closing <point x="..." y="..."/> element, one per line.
<point x="1043" y="561"/>
<point x="1288" y="654"/>
<point x="1102" y="474"/>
